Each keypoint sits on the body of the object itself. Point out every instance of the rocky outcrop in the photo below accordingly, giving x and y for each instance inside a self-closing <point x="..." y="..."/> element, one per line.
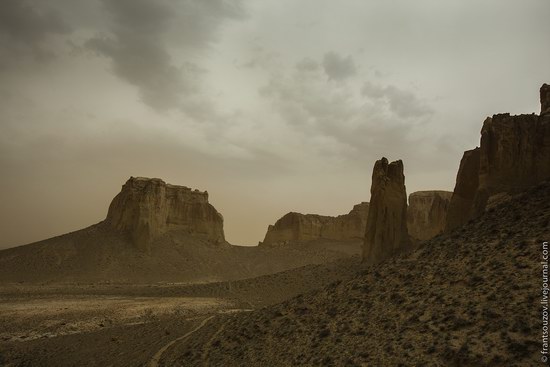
<point x="148" y="207"/>
<point x="386" y="232"/>
<point x="514" y="155"/>
<point x="296" y="228"/>
<point x="467" y="181"/>
<point x="427" y="214"/>
<point x="545" y="99"/>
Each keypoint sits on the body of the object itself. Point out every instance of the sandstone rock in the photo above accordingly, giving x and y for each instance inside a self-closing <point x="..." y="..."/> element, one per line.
<point x="427" y="213"/>
<point x="514" y="155"/>
<point x="467" y="181"/>
<point x="295" y="227"/>
<point x="545" y="99"/>
<point x="386" y="233"/>
<point x="148" y="207"/>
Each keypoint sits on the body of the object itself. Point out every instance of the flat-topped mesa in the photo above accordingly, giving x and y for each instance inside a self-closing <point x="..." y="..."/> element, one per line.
<point x="386" y="233"/>
<point x="514" y="154"/>
<point x="427" y="214"/>
<point x="148" y="207"/>
<point x="299" y="228"/>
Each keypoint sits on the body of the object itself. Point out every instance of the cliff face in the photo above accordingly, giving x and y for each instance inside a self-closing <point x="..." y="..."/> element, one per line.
<point x="514" y="154"/>
<point x="427" y="213"/>
<point x="386" y="232"/>
<point x="467" y="182"/>
<point x="544" y="99"/>
<point x="296" y="227"/>
<point x="148" y="207"/>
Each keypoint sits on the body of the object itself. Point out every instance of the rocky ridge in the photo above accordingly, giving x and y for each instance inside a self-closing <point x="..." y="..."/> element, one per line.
<point x="298" y="228"/>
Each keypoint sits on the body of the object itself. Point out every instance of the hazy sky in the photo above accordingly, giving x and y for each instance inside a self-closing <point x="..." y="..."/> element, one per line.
<point x="270" y="105"/>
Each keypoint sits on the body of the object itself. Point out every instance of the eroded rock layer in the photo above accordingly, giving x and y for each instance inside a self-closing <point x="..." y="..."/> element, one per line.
<point x="514" y="154"/>
<point x="467" y="181"/>
<point x="296" y="227"/>
<point x="427" y="213"/>
<point x="148" y="207"/>
<point x="386" y="232"/>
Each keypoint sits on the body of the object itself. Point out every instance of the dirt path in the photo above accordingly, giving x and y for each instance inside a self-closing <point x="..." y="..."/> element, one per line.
<point x="156" y="358"/>
<point x="208" y="345"/>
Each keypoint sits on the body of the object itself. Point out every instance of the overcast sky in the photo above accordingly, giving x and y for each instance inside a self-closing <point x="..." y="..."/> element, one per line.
<point x="270" y="105"/>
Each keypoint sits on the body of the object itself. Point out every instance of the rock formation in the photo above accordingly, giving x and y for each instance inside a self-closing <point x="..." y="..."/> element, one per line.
<point x="386" y="232"/>
<point x="467" y="181"/>
<point x="545" y="99"/>
<point x="427" y="214"/>
<point x="295" y="227"/>
<point x="514" y="154"/>
<point x="148" y="207"/>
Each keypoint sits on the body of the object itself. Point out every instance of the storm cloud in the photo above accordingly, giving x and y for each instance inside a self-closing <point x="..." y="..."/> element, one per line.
<point x="25" y="31"/>
<point x="142" y="34"/>
<point x="338" y="67"/>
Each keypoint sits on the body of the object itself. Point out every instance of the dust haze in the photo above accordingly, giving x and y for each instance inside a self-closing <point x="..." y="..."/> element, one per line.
<point x="271" y="106"/>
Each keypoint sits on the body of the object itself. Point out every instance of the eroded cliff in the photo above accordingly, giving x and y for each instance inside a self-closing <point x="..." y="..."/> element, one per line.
<point x="386" y="232"/>
<point x="427" y="213"/>
<point x="296" y="227"/>
<point x="148" y="207"/>
<point x="514" y="154"/>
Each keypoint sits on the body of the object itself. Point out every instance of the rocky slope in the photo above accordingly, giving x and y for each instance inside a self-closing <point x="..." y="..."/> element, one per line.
<point x="386" y="232"/>
<point x="466" y="298"/>
<point x="427" y="214"/>
<point x="513" y="155"/>
<point x="298" y="228"/>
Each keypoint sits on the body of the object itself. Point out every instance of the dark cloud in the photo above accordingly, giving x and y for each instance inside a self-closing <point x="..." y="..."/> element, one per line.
<point x="402" y="102"/>
<point x="26" y="29"/>
<point x="142" y="33"/>
<point x="338" y="67"/>
<point x="307" y="64"/>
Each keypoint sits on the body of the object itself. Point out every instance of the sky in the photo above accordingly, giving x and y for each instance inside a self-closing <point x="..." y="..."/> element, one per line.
<point x="270" y="105"/>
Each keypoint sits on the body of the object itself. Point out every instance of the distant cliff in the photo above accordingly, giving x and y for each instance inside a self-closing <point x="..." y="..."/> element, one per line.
<point x="514" y="154"/>
<point x="427" y="213"/>
<point x="296" y="227"/>
<point x="148" y="207"/>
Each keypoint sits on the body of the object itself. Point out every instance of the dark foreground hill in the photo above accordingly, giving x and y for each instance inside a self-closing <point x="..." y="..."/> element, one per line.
<point x="467" y="298"/>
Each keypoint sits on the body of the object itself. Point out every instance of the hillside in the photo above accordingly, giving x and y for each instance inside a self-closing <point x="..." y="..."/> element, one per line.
<point x="467" y="298"/>
<point x="100" y="254"/>
<point x="158" y="232"/>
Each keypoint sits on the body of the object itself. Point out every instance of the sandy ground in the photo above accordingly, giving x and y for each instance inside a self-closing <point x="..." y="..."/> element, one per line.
<point x="98" y="330"/>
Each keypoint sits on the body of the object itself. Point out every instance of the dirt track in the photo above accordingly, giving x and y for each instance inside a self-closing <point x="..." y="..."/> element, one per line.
<point x="68" y="330"/>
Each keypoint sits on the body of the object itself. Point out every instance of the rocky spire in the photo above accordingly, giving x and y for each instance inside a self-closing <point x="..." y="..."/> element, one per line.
<point x="386" y="232"/>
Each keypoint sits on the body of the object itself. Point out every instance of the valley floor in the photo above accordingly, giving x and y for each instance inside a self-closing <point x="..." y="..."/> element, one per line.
<point x="49" y="329"/>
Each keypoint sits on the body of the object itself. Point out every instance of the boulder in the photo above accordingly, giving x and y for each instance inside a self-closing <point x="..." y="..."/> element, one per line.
<point x="427" y="214"/>
<point x="148" y="207"/>
<point x="298" y="228"/>
<point x="386" y="233"/>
